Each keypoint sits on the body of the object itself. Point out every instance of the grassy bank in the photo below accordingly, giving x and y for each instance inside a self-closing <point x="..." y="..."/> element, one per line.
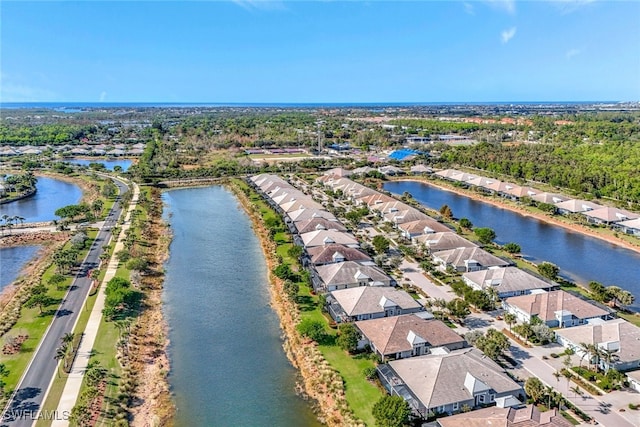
<point x="33" y="322"/>
<point x="331" y="376"/>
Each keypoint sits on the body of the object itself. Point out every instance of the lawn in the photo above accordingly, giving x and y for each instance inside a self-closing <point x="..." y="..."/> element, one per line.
<point x="34" y="324"/>
<point x="361" y="394"/>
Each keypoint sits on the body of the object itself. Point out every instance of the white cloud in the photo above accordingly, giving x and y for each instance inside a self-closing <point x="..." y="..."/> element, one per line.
<point x="103" y="96"/>
<point x="252" y="5"/>
<point x="572" y="52"/>
<point x="569" y="6"/>
<point x="508" y="6"/>
<point x="507" y="35"/>
<point x="468" y="8"/>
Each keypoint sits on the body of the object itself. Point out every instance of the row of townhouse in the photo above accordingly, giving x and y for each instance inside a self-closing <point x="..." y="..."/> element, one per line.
<point x="624" y="220"/>
<point x="391" y="323"/>
<point x="114" y="150"/>
<point x="523" y="294"/>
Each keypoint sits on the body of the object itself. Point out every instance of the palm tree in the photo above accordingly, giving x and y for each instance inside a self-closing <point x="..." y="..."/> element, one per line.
<point x="509" y="319"/>
<point x="67" y="338"/>
<point x="609" y="356"/>
<point x="585" y="349"/>
<point x="61" y="353"/>
<point x="577" y="390"/>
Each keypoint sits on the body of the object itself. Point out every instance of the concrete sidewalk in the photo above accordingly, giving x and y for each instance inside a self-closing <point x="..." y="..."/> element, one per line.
<point x="74" y="380"/>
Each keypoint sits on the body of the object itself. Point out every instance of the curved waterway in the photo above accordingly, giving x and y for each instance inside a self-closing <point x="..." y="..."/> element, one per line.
<point x="51" y="195"/>
<point x="228" y="367"/>
<point x="580" y="258"/>
<point x="12" y="261"/>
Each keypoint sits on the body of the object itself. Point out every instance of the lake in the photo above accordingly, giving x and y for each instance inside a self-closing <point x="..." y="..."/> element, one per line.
<point x="13" y="260"/>
<point x="109" y="164"/>
<point x="580" y="258"/>
<point x="228" y="367"/>
<point x="51" y="195"/>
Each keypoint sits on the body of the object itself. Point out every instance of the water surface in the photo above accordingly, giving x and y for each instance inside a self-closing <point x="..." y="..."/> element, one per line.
<point x="228" y="365"/>
<point x="580" y="258"/>
<point x="109" y="164"/>
<point x="13" y="260"/>
<point x="52" y="194"/>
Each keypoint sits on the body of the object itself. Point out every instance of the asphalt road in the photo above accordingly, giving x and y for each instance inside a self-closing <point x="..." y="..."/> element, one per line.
<point x="23" y="406"/>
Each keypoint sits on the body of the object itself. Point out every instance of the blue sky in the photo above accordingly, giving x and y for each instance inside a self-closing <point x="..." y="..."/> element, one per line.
<point x="320" y="51"/>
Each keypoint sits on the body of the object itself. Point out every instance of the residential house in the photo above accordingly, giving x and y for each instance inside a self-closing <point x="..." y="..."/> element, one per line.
<point x="390" y="170"/>
<point x="339" y="172"/>
<point x="407" y="335"/>
<point x="443" y="241"/>
<point x="608" y="215"/>
<point x="315" y="224"/>
<point x="326" y="237"/>
<point x="304" y="214"/>
<point x="446" y="382"/>
<point x="411" y="230"/>
<point x="549" y="198"/>
<point x="634" y="380"/>
<point x="555" y="309"/>
<point x="421" y="170"/>
<point x="467" y="259"/>
<point x="367" y="302"/>
<point x="518" y="192"/>
<point x="348" y="274"/>
<point x="576" y="206"/>
<point x="405" y="215"/>
<point x="631" y="226"/>
<point x="618" y="337"/>
<point x="505" y="281"/>
<point x="447" y="173"/>
<point x="495" y="416"/>
<point x="334" y="253"/>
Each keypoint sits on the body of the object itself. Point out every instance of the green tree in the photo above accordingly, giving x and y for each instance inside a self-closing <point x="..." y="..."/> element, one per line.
<point x="109" y="189"/>
<point x="446" y="212"/>
<point x="295" y="251"/>
<point x="96" y="207"/>
<point x="348" y="337"/>
<point x="380" y="243"/>
<point x="391" y="411"/>
<point x="40" y="300"/>
<point x="599" y="291"/>
<point x="465" y="223"/>
<point x="138" y="264"/>
<point x="493" y="343"/>
<point x="534" y="389"/>
<point x="510" y="319"/>
<point x="548" y="270"/>
<point x="312" y="329"/>
<point x="458" y="308"/>
<point x="57" y="280"/>
<point x="512" y="248"/>
<point x="485" y="235"/>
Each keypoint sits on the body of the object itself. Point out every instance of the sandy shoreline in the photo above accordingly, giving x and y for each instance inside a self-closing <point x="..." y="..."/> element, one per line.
<point x="577" y="228"/>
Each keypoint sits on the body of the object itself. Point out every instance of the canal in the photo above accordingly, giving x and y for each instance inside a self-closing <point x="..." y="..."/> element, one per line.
<point x="580" y="258"/>
<point x="228" y="367"/>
